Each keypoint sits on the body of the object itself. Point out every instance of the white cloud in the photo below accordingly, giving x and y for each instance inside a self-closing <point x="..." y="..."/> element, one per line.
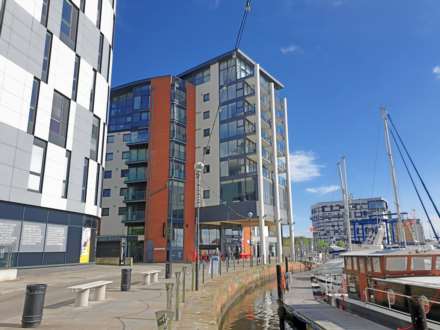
<point x="291" y="49"/>
<point x="303" y="166"/>
<point x="436" y="71"/>
<point x="323" y="190"/>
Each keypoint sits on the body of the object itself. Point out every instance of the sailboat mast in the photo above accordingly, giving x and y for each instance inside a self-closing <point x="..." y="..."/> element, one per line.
<point x="400" y="228"/>
<point x="342" y="170"/>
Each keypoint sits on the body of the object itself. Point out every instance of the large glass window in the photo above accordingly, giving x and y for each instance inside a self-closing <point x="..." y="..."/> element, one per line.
<point x="92" y="92"/>
<point x="178" y="132"/>
<point x="46" y="57"/>
<point x="44" y="12"/>
<point x="238" y="190"/>
<point x="75" y="78"/>
<point x="97" y="181"/>
<point x="177" y="170"/>
<point x="234" y="167"/>
<point x="421" y="263"/>
<point x="100" y="52"/>
<point x="36" y="171"/>
<point x="201" y="77"/>
<point x="94" y="141"/>
<point x="176" y="199"/>
<point x="99" y="14"/>
<point x="237" y="147"/>
<point x="233" y="69"/>
<point x="33" y="106"/>
<point x="178" y="113"/>
<point x="236" y="90"/>
<point x="236" y="109"/>
<point x="210" y="236"/>
<point x="59" y="119"/>
<point x="136" y="173"/>
<point x="85" y="180"/>
<point x="69" y="24"/>
<point x="177" y="150"/>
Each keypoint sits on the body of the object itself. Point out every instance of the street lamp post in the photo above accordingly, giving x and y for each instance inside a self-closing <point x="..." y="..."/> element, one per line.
<point x="250" y="215"/>
<point x="198" y="169"/>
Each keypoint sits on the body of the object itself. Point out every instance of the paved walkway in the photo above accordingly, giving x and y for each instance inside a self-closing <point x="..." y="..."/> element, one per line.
<point x="300" y="299"/>
<point x="122" y="310"/>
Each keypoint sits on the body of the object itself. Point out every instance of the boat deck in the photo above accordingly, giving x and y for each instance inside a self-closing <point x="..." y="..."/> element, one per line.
<point x="301" y="303"/>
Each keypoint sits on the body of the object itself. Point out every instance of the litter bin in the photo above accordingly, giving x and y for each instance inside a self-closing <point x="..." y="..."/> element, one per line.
<point x="125" y="279"/>
<point x="33" y="305"/>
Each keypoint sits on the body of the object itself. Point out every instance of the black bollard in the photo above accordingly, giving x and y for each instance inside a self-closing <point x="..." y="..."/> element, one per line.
<point x="418" y="316"/>
<point x="282" y="316"/>
<point x="286" y="259"/>
<point x="125" y="279"/>
<point x="33" y="305"/>
<point x="279" y="284"/>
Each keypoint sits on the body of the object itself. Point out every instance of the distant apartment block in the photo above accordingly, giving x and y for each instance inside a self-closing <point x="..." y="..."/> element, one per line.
<point x="55" y="69"/>
<point x="235" y="122"/>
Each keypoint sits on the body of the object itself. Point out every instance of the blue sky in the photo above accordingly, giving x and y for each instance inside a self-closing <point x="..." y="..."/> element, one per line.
<point x="340" y="60"/>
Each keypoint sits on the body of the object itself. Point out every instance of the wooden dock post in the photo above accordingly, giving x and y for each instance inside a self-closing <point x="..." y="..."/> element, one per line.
<point x="279" y="283"/>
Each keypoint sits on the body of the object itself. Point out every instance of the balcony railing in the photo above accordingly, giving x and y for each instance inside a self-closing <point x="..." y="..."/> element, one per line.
<point x="136" y="159"/>
<point x="135" y="178"/>
<point x="138" y="217"/>
<point x="135" y="196"/>
<point x="138" y="139"/>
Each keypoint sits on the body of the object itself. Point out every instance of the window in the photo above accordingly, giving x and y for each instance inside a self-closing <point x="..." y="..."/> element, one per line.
<point x="107" y="174"/>
<point x="177" y="150"/>
<point x="206" y="194"/>
<point x="376" y="264"/>
<point x="85" y="180"/>
<point x="177" y="170"/>
<point x="122" y="211"/>
<point x="125" y="155"/>
<point x="69" y="24"/>
<point x="59" y="119"/>
<point x="396" y="264"/>
<point x="369" y="267"/>
<point x="46" y="57"/>
<point x="126" y="137"/>
<point x="92" y="92"/>
<point x="347" y="263"/>
<point x="123" y="192"/>
<point x="98" y="19"/>
<point x="75" y="78"/>
<point x="36" y="171"/>
<point x="82" y="5"/>
<point x="206" y="115"/>
<point x="100" y="52"/>
<point x="94" y="142"/>
<point x="421" y="263"/>
<point x="206" y="168"/>
<point x="65" y="188"/>
<point x="178" y="113"/>
<point x="105" y="212"/>
<point x="206" y="150"/>
<point x="44" y="12"/>
<point x="238" y="190"/>
<point x="98" y="172"/>
<point x="110" y="139"/>
<point x="106" y="192"/>
<point x="178" y="132"/>
<point x="109" y="156"/>
<point x="201" y="77"/>
<point x="124" y="173"/>
<point x="206" y="132"/>
<point x="206" y="97"/>
<point x="33" y="106"/>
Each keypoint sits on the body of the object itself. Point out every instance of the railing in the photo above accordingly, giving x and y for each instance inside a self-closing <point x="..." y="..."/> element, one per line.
<point x="135" y="196"/>
<point x="391" y="300"/>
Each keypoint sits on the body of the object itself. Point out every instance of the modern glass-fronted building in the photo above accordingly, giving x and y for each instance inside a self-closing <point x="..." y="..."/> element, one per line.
<point x="55" y="69"/>
<point x="149" y="176"/>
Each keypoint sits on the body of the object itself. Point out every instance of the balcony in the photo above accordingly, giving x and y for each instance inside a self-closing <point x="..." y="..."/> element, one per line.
<point x="137" y="158"/>
<point x="138" y="217"/>
<point x="135" y="197"/>
<point x="138" y="139"/>
<point x="135" y="178"/>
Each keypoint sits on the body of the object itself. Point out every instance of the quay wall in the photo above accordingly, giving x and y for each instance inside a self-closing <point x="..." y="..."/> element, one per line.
<point x="206" y="308"/>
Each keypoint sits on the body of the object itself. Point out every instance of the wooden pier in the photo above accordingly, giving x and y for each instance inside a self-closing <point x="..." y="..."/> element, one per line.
<point x="301" y="307"/>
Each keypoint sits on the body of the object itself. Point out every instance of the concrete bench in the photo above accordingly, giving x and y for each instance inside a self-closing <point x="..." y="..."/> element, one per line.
<point x="147" y="276"/>
<point x="83" y="291"/>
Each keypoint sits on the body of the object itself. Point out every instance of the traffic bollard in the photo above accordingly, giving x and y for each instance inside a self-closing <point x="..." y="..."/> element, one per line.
<point x="227" y="264"/>
<point x="212" y="268"/>
<point x="220" y="266"/>
<point x="286" y="259"/>
<point x="177" y="294"/>
<point x="125" y="279"/>
<point x="33" y="305"/>
<point x="169" y="288"/>
<point x="192" y="277"/>
<point x="203" y="272"/>
<point x="233" y="262"/>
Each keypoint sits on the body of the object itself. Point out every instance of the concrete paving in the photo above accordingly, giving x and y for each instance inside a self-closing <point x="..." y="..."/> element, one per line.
<point x="122" y="310"/>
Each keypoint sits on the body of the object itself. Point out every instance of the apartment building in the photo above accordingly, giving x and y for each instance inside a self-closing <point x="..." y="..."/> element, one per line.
<point x="148" y="187"/>
<point x="365" y="216"/>
<point x="242" y="139"/>
<point x="55" y="69"/>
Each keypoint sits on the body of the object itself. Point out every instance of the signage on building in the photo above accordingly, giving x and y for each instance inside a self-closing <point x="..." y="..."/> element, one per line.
<point x="10" y="234"/>
<point x="85" y="246"/>
<point x="56" y="238"/>
<point x="32" y="237"/>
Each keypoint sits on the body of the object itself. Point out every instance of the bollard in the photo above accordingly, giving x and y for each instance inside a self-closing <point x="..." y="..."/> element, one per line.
<point x="227" y="265"/>
<point x="203" y="272"/>
<point x="169" y="288"/>
<point x="212" y="268"/>
<point x="282" y="316"/>
<point x="279" y="284"/>
<point x="125" y="279"/>
<point x="251" y="261"/>
<point x="286" y="259"/>
<point x="184" y="283"/>
<point x="177" y="294"/>
<point x="233" y="262"/>
<point x="418" y="316"/>
<point x="269" y="259"/>
<point x="220" y="266"/>
<point x="243" y="262"/>
<point x="33" y="305"/>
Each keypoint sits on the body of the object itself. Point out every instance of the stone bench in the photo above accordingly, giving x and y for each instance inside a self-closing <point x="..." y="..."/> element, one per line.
<point x="147" y="276"/>
<point x="83" y="291"/>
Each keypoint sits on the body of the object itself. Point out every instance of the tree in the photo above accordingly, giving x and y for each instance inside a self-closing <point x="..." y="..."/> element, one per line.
<point x="322" y="245"/>
<point x="341" y="244"/>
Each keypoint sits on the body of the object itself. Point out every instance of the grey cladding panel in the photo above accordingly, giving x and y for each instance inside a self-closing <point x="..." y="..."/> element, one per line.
<point x="234" y="211"/>
<point x="22" y="39"/>
<point x="87" y="45"/>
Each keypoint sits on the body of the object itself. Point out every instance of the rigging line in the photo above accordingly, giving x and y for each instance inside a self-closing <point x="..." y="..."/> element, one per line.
<point x="414" y="184"/>
<point x="247" y="9"/>
<point x="414" y="166"/>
